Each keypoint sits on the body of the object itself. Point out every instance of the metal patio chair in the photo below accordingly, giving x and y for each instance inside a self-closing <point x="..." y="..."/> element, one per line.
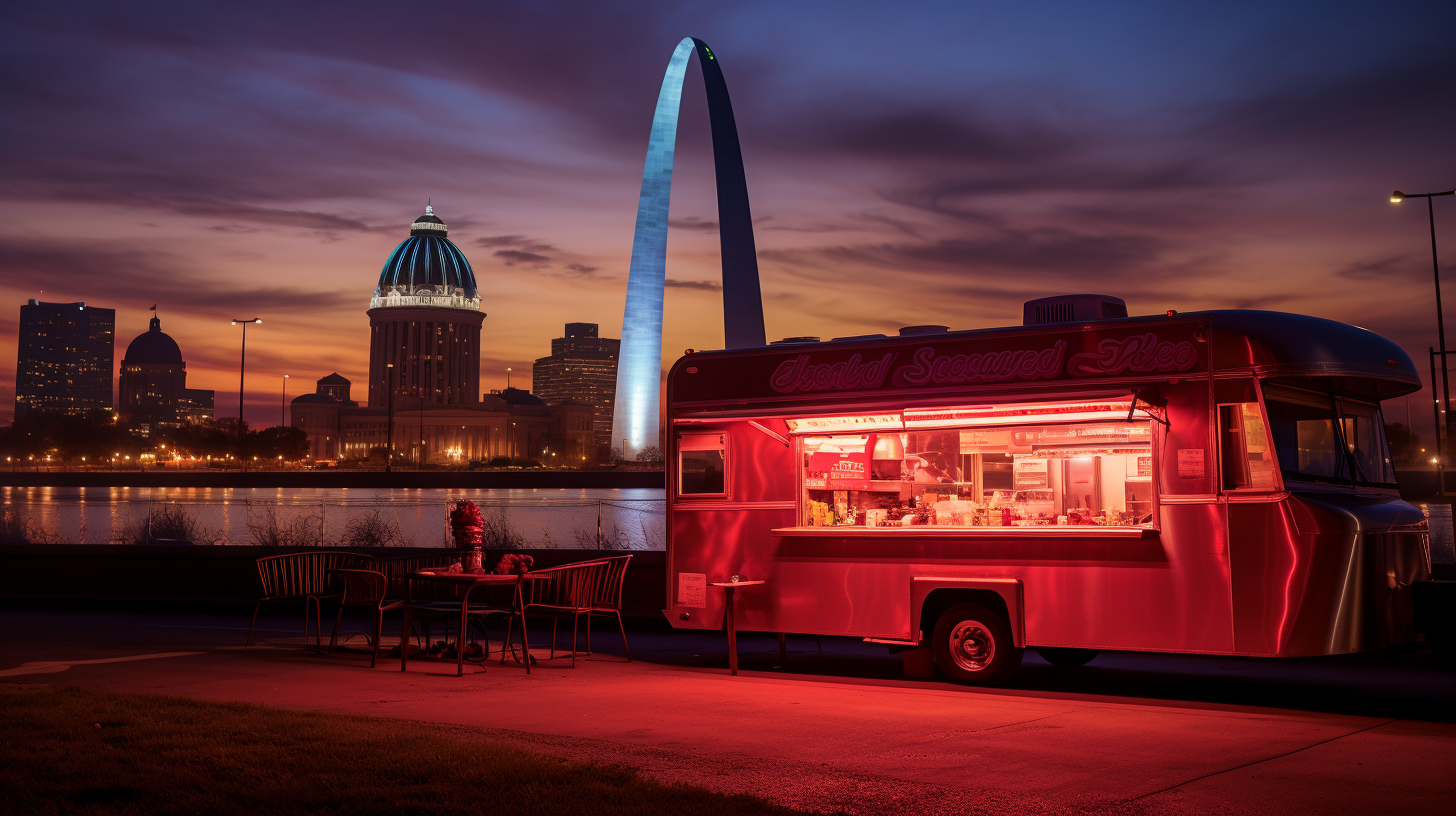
<point x="395" y="569"/>
<point x="577" y="591"/>
<point x="302" y="577"/>
<point x="365" y="589"/>
<point x="606" y="598"/>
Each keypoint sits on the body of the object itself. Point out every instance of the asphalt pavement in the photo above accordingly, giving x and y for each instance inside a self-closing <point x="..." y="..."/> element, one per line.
<point x="837" y="729"/>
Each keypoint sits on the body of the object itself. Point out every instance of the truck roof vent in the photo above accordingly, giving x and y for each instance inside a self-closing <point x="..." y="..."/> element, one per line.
<point x="858" y="337"/>
<point x="927" y="329"/>
<point x="1071" y="309"/>
<point x="790" y="341"/>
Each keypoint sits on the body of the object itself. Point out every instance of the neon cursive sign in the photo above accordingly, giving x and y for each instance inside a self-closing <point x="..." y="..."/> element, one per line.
<point x="1142" y="353"/>
<point x="929" y="365"/>
<point x="799" y="374"/>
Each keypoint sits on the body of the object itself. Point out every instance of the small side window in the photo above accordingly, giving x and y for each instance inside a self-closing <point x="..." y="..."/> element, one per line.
<point x="701" y="464"/>
<point x="1248" y="459"/>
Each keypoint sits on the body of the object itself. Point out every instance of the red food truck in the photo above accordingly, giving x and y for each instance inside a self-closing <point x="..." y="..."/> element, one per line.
<point x="1214" y="482"/>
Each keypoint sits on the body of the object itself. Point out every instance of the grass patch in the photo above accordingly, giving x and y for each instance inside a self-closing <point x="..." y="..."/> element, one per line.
<point x="75" y="751"/>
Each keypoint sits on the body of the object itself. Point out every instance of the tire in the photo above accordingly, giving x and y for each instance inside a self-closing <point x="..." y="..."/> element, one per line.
<point x="973" y="646"/>
<point x="1065" y="658"/>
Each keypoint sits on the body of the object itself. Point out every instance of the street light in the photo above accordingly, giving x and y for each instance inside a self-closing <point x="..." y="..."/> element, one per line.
<point x="1395" y="198"/>
<point x="389" y="433"/>
<point x="508" y="377"/>
<point x="283" y="401"/>
<point x="243" y="361"/>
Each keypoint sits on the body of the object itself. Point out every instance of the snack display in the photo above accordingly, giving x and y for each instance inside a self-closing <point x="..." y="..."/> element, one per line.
<point x="1050" y="474"/>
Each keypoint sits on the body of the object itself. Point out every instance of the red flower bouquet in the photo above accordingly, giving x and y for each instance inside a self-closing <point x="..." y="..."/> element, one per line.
<point x="513" y="564"/>
<point x="466" y="525"/>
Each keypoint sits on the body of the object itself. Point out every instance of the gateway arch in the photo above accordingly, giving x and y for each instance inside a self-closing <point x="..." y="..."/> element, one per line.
<point x="635" y="413"/>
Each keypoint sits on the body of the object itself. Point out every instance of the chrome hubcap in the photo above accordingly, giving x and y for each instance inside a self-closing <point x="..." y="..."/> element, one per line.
<point x="972" y="646"/>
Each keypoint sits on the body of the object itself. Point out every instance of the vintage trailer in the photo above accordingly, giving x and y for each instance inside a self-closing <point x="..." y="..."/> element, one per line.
<point x="1213" y="482"/>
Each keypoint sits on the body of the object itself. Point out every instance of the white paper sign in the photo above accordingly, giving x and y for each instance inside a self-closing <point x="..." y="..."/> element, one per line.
<point x="692" y="589"/>
<point x="1190" y="463"/>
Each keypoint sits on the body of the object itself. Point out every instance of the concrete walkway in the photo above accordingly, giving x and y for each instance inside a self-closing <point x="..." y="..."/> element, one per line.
<point x="838" y="731"/>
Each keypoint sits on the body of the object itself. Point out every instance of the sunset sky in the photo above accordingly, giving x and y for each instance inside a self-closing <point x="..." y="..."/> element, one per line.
<point x="907" y="163"/>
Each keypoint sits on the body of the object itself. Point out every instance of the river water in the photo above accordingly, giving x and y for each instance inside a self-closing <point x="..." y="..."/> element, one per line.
<point x="629" y="518"/>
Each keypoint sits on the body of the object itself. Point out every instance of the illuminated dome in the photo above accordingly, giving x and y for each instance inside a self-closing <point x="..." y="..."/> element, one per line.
<point x="153" y="347"/>
<point x="427" y="270"/>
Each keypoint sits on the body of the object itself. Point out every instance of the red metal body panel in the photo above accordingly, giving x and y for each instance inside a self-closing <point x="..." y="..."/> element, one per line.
<point x="1266" y="574"/>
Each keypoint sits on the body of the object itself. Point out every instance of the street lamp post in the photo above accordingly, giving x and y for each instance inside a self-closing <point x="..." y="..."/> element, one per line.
<point x="508" y="378"/>
<point x="283" y="403"/>
<point x="1436" y="405"/>
<point x="243" y="361"/>
<point x="1395" y="198"/>
<point x="389" y="432"/>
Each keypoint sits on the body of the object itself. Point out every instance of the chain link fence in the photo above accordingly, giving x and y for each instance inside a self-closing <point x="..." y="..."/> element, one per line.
<point x="580" y="524"/>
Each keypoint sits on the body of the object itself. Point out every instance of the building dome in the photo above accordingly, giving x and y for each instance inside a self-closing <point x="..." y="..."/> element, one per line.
<point x="427" y="270"/>
<point x="153" y="346"/>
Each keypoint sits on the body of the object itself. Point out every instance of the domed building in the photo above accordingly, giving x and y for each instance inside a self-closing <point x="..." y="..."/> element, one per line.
<point x="319" y="413"/>
<point x="425" y="319"/>
<point x="424" y="344"/>
<point x="154" y="382"/>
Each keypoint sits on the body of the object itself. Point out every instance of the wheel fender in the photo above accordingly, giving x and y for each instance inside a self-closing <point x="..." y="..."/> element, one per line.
<point x="1010" y="590"/>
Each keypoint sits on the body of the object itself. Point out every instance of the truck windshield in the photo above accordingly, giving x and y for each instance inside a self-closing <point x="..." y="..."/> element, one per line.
<point x="1326" y="439"/>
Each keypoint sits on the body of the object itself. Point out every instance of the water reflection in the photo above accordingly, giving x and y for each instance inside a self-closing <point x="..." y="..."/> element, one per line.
<point x="631" y="518"/>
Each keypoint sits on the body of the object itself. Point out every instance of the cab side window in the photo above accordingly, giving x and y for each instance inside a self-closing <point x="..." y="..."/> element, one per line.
<point x="1248" y="458"/>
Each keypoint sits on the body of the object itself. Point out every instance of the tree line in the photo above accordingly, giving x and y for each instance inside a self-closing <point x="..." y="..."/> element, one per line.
<point x="98" y="438"/>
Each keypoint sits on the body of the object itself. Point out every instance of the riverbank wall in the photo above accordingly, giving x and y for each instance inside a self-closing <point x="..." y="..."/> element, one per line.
<point x="226" y="578"/>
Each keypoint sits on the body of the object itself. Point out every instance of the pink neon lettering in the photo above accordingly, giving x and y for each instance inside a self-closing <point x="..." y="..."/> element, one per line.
<point x="927" y="367"/>
<point x="799" y="374"/>
<point x="1141" y="353"/>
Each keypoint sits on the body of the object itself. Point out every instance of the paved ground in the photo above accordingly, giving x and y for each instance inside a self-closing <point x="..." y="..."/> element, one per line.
<point x="839" y="730"/>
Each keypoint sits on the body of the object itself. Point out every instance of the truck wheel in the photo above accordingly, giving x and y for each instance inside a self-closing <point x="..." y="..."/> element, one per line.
<point x="973" y="646"/>
<point x="1065" y="658"/>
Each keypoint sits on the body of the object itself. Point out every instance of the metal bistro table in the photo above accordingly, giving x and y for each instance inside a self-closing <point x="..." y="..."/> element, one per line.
<point x="470" y="583"/>
<point x="728" y="587"/>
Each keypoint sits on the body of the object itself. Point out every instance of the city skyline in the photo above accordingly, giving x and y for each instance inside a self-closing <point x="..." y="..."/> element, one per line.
<point x="935" y="165"/>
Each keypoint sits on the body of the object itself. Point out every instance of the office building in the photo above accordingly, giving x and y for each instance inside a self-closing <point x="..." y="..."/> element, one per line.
<point x="63" y="359"/>
<point x="582" y="368"/>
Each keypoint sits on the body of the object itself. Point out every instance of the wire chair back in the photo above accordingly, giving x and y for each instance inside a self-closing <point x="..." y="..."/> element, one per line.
<point x="362" y="587"/>
<point x="566" y="587"/>
<point x="297" y="575"/>
<point x="606" y="592"/>
<point x="397" y="569"/>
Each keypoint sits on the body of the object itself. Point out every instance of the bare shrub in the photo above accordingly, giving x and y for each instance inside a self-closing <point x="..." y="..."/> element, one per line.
<point x="499" y="533"/>
<point x="586" y="539"/>
<point x="16" y="527"/>
<point x="267" y="530"/>
<point x="167" y="522"/>
<point x="372" y="530"/>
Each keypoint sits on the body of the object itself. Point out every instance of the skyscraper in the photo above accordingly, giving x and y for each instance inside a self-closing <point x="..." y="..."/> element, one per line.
<point x="582" y="368"/>
<point x="64" y="359"/>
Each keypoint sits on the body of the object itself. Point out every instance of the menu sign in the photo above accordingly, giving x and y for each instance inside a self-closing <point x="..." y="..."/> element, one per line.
<point x="1156" y="347"/>
<point x="839" y="470"/>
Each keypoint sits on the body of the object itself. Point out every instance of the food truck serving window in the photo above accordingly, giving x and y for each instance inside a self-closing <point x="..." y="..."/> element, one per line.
<point x="1023" y="465"/>
<point x="701" y="460"/>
